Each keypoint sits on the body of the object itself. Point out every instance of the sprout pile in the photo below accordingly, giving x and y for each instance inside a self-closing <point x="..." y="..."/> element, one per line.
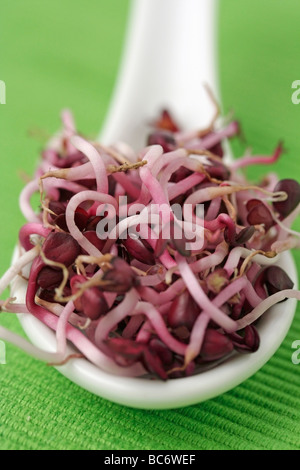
<point x="104" y="276"/>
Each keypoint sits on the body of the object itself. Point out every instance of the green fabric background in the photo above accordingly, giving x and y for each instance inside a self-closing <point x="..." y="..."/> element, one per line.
<point x="62" y="53"/>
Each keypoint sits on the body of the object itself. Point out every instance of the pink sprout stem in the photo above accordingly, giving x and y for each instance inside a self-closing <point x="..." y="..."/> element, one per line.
<point x="258" y="159"/>
<point x="95" y="158"/>
<point x="240" y="252"/>
<point x="159" y="326"/>
<point x="61" y="328"/>
<point x="17" y="267"/>
<point x="30" y="229"/>
<point x="117" y="314"/>
<point x="200" y="297"/>
<point x="198" y="331"/>
<point x="74" y="202"/>
<point x="183" y="186"/>
<point x="264" y="306"/>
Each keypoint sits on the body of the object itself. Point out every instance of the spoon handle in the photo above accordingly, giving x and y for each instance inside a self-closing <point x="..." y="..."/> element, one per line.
<point x="169" y="55"/>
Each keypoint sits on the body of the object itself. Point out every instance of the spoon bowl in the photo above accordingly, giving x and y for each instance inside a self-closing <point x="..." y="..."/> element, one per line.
<point x="168" y="58"/>
<point x="156" y="394"/>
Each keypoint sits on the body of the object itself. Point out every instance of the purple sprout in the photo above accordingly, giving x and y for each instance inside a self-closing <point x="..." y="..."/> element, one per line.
<point x="149" y="306"/>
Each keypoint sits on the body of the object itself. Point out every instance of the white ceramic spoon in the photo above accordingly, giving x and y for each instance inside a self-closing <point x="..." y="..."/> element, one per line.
<point x="169" y="54"/>
<point x="168" y="58"/>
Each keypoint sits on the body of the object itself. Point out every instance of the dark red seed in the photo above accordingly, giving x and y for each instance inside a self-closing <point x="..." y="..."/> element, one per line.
<point x="272" y="279"/>
<point x="47" y="295"/>
<point x="292" y="188"/>
<point x="190" y="369"/>
<point x="56" y="207"/>
<point x="89" y="183"/>
<point x="217" y="150"/>
<point x="93" y="222"/>
<point x="49" y="278"/>
<point x="92" y="237"/>
<point x="93" y="303"/>
<point x="122" y="278"/>
<point x="180" y="174"/>
<point x="276" y="280"/>
<point x="244" y="235"/>
<point x="163" y="138"/>
<point x="183" y="311"/>
<point x="60" y="221"/>
<point x="259" y="214"/>
<point x="238" y="239"/>
<point x="182" y="333"/>
<point x="230" y="236"/>
<point x="252" y="203"/>
<point x="259" y="283"/>
<point x="70" y="160"/>
<point x="252" y="338"/>
<point x="237" y="310"/>
<point x="153" y="364"/>
<point x="125" y="351"/>
<point x="65" y="195"/>
<point x="218" y="170"/>
<point x="80" y="217"/>
<point x="61" y="248"/>
<point x="139" y="249"/>
<point x="75" y="283"/>
<point x="163" y="352"/>
<point x="247" y="340"/>
<point x="215" y="345"/>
